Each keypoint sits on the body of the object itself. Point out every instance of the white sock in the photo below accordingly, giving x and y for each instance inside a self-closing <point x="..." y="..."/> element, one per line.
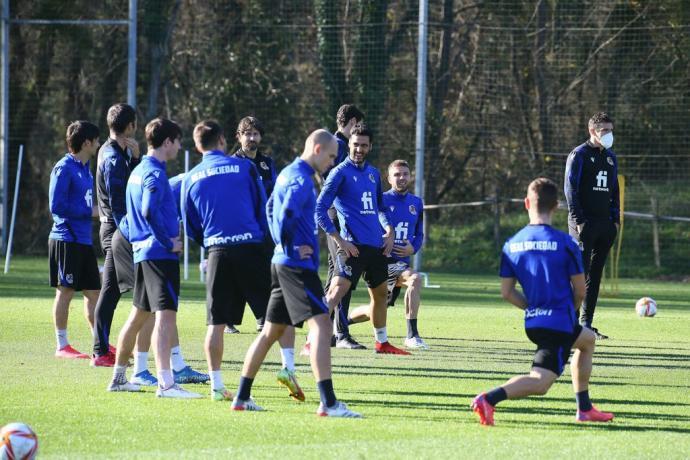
<point x="141" y="360"/>
<point x="216" y="380"/>
<point x="165" y="379"/>
<point x="381" y="334"/>
<point x="287" y="355"/>
<point x="119" y="373"/>
<point x="61" y="336"/>
<point x="176" y="359"/>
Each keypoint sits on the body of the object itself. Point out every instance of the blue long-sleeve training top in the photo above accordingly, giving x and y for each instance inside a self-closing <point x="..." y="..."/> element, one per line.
<point x="225" y="203"/>
<point x="591" y="184"/>
<point x="356" y="193"/>
<point x="70" y="198"/>
<point x="114" y="166"/>
<point x="290" y="212"/>
<point x="407" y="219"/>
<point x="152" y="217"/>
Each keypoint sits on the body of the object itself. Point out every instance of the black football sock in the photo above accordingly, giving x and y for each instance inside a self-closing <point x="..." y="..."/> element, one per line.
<point x="496" y="395"/>
<point x="412" y="328"/>
<point x="583" y="402"/>
<point x="326" y="392"/>
<point x="245" y="389"/>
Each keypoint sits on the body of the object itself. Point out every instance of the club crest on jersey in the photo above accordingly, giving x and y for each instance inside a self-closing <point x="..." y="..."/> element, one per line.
<point x="592" y="158"/>
<point x="156" y="173"/>
<point x="263" y="165"/>
<point x="392" y="208"/>
<point x="609" y="160"/>
<point x="371" y="178"/>
<point x="413" y="210"/>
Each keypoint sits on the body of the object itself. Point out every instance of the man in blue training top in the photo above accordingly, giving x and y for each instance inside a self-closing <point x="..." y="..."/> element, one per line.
<point x="117" y="157"/>
<point x="233" y="233"/>
<point x="124" y="268"/>
<point x="153" y="227"/>
<point x="73" y="265"/>
<point x="249" y="133"/>
<point x="548" y="265"/>
<point x="591" y="189"/>
<point x="354" y="187"/>
<point x="407" y="219"/>
<point x="297" y="294"/>
<point x="347" y="117"/>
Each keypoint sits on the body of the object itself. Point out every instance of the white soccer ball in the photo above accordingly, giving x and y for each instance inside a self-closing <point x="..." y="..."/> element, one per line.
<point x="646" y="306"/>
<point x="17" y="441"/>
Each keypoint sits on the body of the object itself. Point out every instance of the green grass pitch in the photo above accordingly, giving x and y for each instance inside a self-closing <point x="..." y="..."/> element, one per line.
<point x="415" y="407"/>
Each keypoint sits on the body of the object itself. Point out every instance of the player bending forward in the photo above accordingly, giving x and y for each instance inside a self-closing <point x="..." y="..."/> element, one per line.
<point x="297" y="293"/>
<point x="548" y="265"/>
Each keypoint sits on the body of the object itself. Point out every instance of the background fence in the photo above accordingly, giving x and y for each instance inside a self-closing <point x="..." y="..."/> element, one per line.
<point x="511" y="85"/>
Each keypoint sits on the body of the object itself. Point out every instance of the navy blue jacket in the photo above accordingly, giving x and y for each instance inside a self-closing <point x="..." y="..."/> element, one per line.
<point x="70" y="198"/>
<point x="591" y="185"/>
<point x="225" y="203"/>
<point x="112" y="173"/>
<point x="264" y="165"/>
<point x="290" y="212"/>
<point x="358" y="199"/>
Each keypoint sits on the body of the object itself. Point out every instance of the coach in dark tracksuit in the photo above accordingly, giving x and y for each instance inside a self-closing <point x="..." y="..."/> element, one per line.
<point x="591" y="189"/>
<point x="118" y="156"/>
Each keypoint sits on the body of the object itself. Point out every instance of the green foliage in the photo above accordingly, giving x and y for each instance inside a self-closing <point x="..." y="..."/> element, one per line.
<point x="415" y="407"/>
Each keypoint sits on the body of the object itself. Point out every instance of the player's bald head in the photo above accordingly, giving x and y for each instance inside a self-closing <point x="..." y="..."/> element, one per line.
<point x="320" y="149"/>
<point x="319" y="137"/>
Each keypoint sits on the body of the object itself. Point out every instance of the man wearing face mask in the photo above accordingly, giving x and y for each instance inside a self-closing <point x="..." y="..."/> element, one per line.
<point x="591" y="190"/>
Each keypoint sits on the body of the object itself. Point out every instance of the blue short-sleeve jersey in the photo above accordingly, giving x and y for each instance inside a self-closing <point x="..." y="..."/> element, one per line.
<point x="543" y="259"/>
<point x="407" y="219"/>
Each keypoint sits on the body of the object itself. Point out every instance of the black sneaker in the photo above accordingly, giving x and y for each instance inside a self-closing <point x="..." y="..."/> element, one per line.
<point x="349" y="343"/>
<point x="333" y="341"/>
<point x="599" y="335"/>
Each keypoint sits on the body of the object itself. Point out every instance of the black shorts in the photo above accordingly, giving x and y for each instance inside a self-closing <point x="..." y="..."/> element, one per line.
<point x="371" y="262"/>
<point x="156" y="285"/>
<point x="296" y="295"/>
<point x="124" y="262"/>
<point x="73" y="265"/>
<point x="236" y="275"/>
<point x="553" y="347"/>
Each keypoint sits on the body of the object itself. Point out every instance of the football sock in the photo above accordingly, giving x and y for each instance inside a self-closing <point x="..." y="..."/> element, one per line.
<point x="216" y="380"/>
<point x="412" y="328"/>
<point x="496" y="395"/>
<point x="165" y="379"/>
<point x="583" y="402"/>
<point x="287" y="355"/>
<point x="119" y="374"/>
<point x="245" y="389"/>
<point x="326" y="392"/>
<point x="176" y="359"/>
<point x="381" y="335"/>
<point x="141" y="360"/>
<point x="61" y="336"/>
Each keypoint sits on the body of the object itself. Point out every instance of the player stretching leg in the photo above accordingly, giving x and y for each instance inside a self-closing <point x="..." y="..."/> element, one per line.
<point x="548" y="265"/>
<point x="407" y="218"/>
<point x="297" y="293"/>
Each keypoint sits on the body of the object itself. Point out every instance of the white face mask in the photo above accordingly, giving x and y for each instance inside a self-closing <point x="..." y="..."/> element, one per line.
<point x="606" y="140"/>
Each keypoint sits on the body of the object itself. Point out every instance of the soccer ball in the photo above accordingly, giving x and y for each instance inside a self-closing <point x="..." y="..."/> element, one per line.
<point x="17" y="441"/>
<point x="646" y="306"/>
